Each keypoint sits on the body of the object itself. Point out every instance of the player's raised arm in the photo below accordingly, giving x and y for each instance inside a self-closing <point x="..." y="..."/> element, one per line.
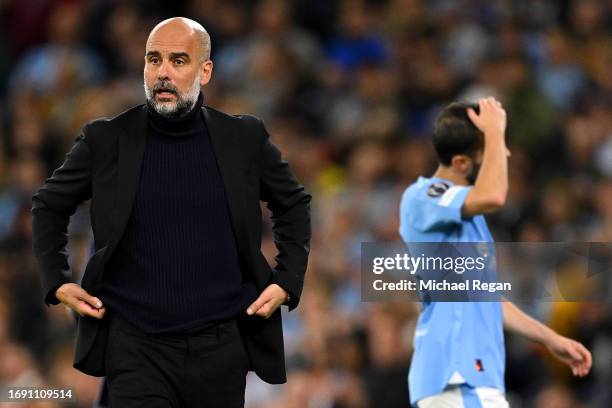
<point x="491" y="185"/>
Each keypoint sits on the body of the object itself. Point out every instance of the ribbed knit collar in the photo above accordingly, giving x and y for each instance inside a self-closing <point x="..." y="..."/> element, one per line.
<point x="187" y="125"/>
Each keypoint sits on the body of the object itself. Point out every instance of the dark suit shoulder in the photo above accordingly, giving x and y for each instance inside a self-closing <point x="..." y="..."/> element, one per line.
<point x="101" y="128"/>
<point x="124" y="117"/>
<point x="246" y="132"/>
<point x="242" y="119"/>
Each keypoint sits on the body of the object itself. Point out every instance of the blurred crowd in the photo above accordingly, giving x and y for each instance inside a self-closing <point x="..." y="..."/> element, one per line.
<point x="348" y="90"/>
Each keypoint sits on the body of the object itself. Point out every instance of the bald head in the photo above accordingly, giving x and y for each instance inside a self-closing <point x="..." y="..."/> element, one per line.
<point x="181" y="30"/>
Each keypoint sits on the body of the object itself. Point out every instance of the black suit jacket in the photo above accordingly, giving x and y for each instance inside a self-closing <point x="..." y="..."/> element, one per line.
<point x="104" y="165"/>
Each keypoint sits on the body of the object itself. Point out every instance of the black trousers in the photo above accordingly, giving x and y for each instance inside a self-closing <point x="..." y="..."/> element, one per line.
<point x="205" y="369"/>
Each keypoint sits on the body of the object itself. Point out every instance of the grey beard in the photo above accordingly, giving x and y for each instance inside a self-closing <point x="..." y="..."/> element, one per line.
<point x="184" y="103"/>
<point x="180" y="109"/>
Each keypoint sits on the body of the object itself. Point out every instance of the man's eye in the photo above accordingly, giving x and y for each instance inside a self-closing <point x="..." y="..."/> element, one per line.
<point x="179" y="62"/>
<point x="154" y="60"/>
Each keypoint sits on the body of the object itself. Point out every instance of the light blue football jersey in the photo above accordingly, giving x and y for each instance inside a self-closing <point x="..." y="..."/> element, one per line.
<point x="451" y="337"/>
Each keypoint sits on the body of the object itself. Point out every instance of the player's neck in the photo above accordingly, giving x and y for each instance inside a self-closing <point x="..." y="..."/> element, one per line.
<point x="447" y="173"/>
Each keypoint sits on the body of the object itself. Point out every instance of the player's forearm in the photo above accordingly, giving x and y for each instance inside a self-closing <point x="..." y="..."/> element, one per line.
<point x="517" y="321"/>
<point x="492" y="180"/>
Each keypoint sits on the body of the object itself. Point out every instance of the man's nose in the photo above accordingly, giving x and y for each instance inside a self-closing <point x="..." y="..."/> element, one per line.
<point x="163" y="70"/>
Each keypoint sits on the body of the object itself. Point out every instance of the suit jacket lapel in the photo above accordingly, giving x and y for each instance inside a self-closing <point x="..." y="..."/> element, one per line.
<point x="131" y="150"/>
<point x="225" y="148"/>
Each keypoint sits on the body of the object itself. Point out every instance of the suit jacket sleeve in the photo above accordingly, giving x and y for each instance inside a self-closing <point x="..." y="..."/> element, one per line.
<point x="52" y="206"/>
<point x="290" y="207"/>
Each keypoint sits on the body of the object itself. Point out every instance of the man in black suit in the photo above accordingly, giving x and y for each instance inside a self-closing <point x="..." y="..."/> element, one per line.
<point x="177" y="303"/>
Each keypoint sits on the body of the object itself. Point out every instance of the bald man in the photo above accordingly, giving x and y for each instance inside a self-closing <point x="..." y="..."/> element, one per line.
<point x="177" y="303"/>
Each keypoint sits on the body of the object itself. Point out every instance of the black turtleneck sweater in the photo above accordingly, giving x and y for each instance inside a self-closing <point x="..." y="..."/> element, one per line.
<point x="176" y="266"/>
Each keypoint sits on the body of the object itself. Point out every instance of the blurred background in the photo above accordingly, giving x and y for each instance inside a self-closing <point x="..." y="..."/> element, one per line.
<point x="348" y="90"/>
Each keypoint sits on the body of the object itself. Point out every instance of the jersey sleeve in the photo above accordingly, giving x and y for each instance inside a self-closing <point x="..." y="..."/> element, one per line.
<point x="430" y="213"/>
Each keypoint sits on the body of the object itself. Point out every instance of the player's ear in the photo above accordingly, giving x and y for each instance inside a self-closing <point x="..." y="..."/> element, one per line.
<point x="461" y="163"/>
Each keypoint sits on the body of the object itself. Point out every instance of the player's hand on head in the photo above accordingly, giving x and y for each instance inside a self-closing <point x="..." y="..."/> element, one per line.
<point x="77" y="299"/>
<point x="572" y="353"/>
<point x="491" y="119"/>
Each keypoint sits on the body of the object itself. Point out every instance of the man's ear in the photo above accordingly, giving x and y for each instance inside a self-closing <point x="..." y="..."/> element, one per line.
<point x="461" y="164"/>
<point x="207" y="67"/>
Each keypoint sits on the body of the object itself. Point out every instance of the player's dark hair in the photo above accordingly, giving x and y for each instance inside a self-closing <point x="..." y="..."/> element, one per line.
<point x="454" y="132"/>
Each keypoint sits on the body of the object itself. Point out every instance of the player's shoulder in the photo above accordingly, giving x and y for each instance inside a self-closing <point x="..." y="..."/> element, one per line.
<point x="425" y="188"/>
<point x="428" y="191"/>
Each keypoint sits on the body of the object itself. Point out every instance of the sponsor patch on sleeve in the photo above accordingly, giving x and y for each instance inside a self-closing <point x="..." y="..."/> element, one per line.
<point x="437" y="189"/>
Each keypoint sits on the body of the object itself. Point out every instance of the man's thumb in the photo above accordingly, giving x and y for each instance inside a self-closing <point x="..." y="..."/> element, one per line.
<point x="255" y="306"/>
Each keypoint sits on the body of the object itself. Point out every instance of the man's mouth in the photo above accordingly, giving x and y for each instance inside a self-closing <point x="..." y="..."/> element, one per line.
<point x="162" y="93"/>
